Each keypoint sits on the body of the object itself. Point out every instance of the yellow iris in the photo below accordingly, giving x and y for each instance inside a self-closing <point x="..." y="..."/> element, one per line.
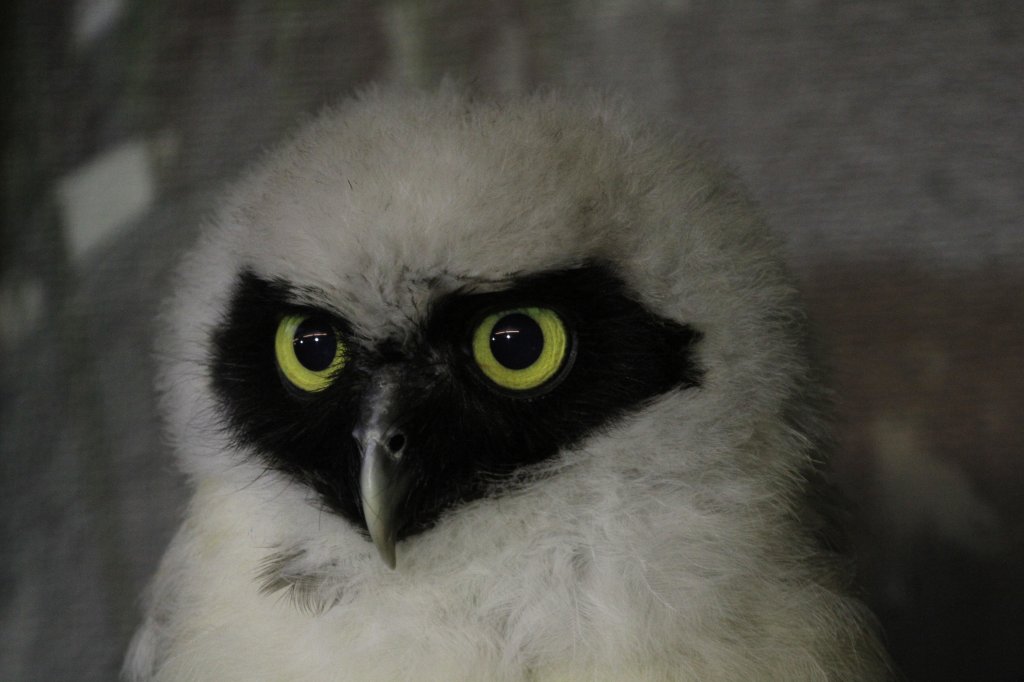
<point x="522" y="348"/>
<point x="308" y="352"/>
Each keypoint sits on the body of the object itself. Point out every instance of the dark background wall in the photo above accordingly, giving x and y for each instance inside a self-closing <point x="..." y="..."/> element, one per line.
<point x="883" y="139"/>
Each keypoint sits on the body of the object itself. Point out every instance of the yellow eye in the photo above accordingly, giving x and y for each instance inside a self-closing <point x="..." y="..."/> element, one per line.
<point x="521" y="349"/>
<point x="308" y="351"/>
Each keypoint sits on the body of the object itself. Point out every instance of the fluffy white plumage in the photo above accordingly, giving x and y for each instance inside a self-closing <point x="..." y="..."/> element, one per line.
<point x="672" y="543"/>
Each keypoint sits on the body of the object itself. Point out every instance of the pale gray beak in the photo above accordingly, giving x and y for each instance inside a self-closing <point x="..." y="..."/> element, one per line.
<point x="383" y="482"/>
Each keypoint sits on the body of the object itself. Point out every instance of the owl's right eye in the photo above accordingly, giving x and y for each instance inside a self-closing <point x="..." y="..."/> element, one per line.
<point x="309" y="351"/>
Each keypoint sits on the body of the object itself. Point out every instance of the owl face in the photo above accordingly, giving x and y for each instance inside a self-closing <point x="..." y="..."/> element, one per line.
<point x="425" y="302"/>
<point x="391" y="432"/>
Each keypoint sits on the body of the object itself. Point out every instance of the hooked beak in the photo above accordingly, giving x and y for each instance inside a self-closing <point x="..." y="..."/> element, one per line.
<point x="383" y="480"/>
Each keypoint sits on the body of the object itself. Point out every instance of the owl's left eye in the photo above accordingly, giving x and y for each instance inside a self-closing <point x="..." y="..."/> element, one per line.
<point x="522" y="349"/>
<point x="309" y="351"/>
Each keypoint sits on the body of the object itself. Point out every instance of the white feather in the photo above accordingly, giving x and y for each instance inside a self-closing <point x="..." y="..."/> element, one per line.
<point x="668" y="547"/>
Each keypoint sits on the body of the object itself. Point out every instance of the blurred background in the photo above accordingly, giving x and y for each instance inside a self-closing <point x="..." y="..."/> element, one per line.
<point x="884" y="139"/>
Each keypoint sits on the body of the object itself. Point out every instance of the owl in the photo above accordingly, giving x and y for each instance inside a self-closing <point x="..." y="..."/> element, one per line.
<point x="512" y="390"/>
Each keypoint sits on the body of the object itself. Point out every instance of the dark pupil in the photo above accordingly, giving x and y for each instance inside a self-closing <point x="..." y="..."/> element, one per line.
<point x="517" y="341"/>
<point x="315" y="344"/>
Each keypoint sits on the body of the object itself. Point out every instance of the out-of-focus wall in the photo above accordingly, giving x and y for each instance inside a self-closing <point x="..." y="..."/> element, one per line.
<point x="883" y="139"/>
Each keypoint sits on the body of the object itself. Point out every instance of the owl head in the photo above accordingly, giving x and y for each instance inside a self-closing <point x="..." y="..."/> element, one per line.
<point x="426" y="307"/>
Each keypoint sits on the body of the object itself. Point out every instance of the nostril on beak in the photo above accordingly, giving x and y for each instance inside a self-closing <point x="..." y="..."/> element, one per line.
<point x="395" y="444"/>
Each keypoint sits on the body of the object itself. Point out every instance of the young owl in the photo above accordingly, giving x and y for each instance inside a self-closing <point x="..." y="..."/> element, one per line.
<point x="511" y="391"/>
